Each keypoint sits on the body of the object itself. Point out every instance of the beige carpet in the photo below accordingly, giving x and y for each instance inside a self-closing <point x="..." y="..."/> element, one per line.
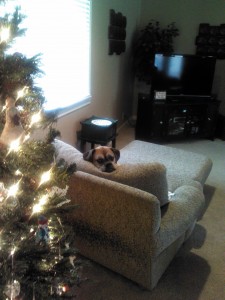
<point x="198" y="270"/>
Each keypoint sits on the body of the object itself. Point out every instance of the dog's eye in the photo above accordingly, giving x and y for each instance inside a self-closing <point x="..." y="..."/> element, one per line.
<point x="110" y="157"/>
<point x="100" y="161"/>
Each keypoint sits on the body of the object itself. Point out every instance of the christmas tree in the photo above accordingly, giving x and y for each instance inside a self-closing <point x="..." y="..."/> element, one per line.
<point x="37" y="260"/>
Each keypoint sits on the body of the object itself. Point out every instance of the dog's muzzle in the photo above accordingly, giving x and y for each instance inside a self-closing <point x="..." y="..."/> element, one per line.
<point x="109" y="168"/>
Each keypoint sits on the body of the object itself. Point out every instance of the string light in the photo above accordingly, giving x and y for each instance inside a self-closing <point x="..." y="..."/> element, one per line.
<point x="20" y="108"/>
<point x="39" y="206"/>
<point x="14" y="145"/>
<point x="46" y="176"/>
<point x="12" y="191"/>
<point x="27" y="136"/>
<point x="35" y="118"/>
<point x="43" y="200"/>
<point x="18" y="173"/>
<point x="31" y="230"/>
<point x="22" y="92"/>
<point x="65" y="288"/>
<point x="13" y="251"/>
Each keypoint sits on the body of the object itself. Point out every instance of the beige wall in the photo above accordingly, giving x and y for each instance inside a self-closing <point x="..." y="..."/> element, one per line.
<point x="112" y="83"/>
<point x="113" y="89"/>
<point x="188" y="14"/>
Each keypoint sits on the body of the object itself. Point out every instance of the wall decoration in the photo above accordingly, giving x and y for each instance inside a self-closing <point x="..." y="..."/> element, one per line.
<point x="117" y="32"/>
<point x="211" y="40"/>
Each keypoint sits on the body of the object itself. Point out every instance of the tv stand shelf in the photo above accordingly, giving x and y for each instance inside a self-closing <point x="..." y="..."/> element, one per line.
<point x="163" y="120"/>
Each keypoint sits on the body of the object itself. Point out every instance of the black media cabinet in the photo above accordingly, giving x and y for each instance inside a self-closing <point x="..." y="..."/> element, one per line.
<point x="166" y="120"/>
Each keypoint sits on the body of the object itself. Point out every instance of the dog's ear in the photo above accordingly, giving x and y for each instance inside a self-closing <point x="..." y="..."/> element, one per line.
<point x="89" y="155"/>
<point x="116" y="153"/>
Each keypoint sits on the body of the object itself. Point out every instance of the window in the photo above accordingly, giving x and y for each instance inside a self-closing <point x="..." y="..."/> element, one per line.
<point x="60" y="30"/>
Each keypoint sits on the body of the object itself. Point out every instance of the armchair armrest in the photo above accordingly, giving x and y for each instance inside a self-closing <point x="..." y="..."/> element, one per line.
<point x="177" y="217"/>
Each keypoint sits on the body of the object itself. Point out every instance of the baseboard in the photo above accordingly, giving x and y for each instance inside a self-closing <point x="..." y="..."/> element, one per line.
<point x="131" y="121"/>
<point x="122" y="125"/>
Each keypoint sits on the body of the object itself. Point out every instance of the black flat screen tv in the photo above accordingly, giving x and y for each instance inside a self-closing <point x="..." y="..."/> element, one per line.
<point x="183" y="75"/>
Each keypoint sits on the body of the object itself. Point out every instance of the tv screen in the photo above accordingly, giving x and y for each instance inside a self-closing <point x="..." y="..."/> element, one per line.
<point x="189" y="75"/>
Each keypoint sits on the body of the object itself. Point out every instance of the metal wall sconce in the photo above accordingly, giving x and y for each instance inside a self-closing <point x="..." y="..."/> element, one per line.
<point x="117" y="32"/>
<point x="211" y="40"/>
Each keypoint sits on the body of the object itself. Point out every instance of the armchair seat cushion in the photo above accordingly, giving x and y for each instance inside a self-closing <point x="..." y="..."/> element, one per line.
<point x="178" y="162"/>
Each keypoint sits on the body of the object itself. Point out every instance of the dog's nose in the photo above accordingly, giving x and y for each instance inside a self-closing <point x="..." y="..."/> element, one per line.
<point x="109" y="168"/>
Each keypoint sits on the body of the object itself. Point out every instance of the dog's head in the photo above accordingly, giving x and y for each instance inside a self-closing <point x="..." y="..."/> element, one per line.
<point x="103" y="157"/>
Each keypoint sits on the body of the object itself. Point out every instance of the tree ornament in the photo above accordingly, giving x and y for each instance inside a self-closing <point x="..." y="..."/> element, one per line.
<point x="12" y="290"/>
<point x="55" y="190"/>
<point x="42" y="234"/>
<point x="71" y="259"/>
<point x="12" y="129"/>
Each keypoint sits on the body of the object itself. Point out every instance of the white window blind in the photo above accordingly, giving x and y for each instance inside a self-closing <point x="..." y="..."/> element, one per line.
<point x="60" y="30"/>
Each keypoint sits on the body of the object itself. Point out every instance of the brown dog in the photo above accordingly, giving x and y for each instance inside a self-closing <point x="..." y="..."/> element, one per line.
<point x="103" y="157"/>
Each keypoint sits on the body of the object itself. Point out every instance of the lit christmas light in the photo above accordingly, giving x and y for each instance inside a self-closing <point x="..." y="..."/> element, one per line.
<point x="13" y="251"/>
<point x="14" y="146"/>
<point x="4" y="34"/>
<point x="12" y="191"/>
<point x="22" y="92"/>
<point x="65" y="288"/>
<point x="43" y="200"/>
<point x="27" y="136"/>
<point x="19" y="94"/>
<point x="18" y="173"/>
<point x="37" y="208"/>
<point x="59" y="290"/>
<point x="20" y="108"/>
<point x="35" y="118"/>
<point x="46" y="176"/>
